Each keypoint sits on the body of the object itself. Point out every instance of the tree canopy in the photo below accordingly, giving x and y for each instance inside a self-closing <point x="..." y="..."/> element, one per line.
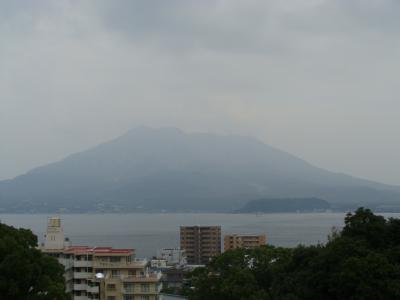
<point x="25" y="272"/>
<point x="362" y="261"/>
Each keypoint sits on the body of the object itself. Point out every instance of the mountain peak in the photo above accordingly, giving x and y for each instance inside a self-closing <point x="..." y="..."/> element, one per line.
<point x="165" y="168"/>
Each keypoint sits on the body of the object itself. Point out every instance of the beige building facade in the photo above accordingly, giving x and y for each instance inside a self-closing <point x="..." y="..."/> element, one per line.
<point x="235" y="241"/>
<point x="201" y="243"/>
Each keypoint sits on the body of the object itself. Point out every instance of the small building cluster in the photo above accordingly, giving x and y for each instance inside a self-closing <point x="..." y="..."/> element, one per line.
<point x="106" y="273"/>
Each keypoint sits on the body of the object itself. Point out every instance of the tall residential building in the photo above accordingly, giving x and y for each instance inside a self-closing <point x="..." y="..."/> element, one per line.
<point x="235" y="241"/>
<point x="101" y="272"/>
<point x="201" y="243"/>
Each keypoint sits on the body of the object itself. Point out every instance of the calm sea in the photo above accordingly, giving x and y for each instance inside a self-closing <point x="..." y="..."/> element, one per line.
<point x="149" y="232"/>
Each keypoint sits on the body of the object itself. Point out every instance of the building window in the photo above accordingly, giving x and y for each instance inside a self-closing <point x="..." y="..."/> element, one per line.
<point x="111" y="287"/>
<point x="129" y="287"/>
<point x="145" y="298"/>
<point x="115" y="273"/>
<point x="128" y="297"/>
<point x="145" y="287"/>
<point x="111" y="298"/>
<point x="115" y="258"/>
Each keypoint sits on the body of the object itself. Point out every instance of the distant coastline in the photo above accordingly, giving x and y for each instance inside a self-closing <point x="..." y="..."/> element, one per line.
<point x="283" y="205"/>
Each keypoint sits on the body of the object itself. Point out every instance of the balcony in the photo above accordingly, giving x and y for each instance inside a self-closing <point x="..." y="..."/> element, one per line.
<point x="139" y="291"/>
<point x="80" y="287"/>
<point x="137" y="263"/>
<point x="129" y="291"/>
<point x="149" y="277"/>
<point x="80" y="297"/>
<point x="82" y="263"/>
<point x="92" y="289"/>
<point x="82" y="275"/>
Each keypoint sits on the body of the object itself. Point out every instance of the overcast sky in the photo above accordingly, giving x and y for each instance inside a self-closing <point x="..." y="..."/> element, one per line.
<point x="317" y="78"/>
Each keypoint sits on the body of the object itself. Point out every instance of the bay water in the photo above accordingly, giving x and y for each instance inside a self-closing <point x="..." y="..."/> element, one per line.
<point x="149" y="232"/>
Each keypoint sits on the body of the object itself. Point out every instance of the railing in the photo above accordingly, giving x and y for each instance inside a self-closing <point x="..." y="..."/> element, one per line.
<point x="137" y="263"/>
<point x="150" y="291"/>
<point x="80" y="287"/>
<point x="92" y="289"/>
<point x="82" y="263"/>
<point x="80" y="298"/>
<point x="82" y="275"/>
<point x="147" y="277"/>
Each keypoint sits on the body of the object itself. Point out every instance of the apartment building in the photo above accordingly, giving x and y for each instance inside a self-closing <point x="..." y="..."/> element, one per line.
<point x="235" y="241"/>
<point x="101" y="272"/>
<point x="201" y="243"/>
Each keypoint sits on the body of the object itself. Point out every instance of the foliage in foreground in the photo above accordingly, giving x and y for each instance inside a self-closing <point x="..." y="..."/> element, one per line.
<point x="25" y="272"/>
<point x="360" y="262"/>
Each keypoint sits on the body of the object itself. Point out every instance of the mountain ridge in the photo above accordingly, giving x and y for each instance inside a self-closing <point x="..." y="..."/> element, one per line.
<point x="167" y="169"/>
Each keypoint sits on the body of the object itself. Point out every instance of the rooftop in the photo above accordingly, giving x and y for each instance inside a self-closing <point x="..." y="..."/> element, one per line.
<point x="97" y="250"/>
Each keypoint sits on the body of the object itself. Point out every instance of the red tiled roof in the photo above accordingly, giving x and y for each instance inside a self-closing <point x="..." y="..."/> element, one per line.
<point x="97" y="250"/>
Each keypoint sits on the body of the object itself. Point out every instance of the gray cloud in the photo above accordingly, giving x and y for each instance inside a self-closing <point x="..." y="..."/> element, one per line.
<point x="252" y="25"/>
<point x="317" y="78"/>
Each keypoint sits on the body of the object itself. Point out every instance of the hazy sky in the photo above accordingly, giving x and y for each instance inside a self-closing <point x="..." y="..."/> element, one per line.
<point x="317" y="78"/>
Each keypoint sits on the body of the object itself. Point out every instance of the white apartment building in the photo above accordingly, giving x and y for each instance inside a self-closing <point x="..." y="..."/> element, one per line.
<point x="101" y="272"/>
<point x="173" y="256"/>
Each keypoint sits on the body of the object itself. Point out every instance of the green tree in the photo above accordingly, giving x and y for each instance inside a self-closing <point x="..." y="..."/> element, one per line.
<point x="239" y="274"/>
<point x="360" y="262"/>
<point x="25" y="272"/>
